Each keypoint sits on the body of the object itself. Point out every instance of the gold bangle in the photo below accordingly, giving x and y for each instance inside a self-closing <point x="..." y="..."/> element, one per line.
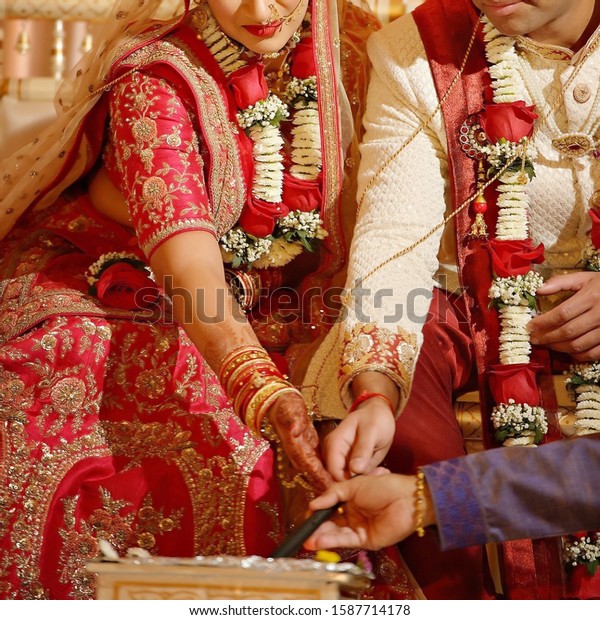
<point x="246" y="392"/>
<point x="263" y="407"/>
<point x="246" y="371"/>
<point x="420" y="504"/>
<point x="234" y="358"/>
<point x="253" y="405"/>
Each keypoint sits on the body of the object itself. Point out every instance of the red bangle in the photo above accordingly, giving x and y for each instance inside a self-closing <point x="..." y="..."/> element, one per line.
<point x="366" y="395"/>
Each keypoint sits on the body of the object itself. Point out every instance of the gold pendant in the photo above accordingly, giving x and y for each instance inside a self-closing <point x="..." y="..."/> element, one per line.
<point x="573" y="145"/>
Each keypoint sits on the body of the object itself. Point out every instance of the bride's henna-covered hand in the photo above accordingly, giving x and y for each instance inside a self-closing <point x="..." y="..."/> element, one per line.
<point x="289" y="418"/>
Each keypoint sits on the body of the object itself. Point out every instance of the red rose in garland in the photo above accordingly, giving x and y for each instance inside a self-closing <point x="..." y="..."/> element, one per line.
<point x="249" y="85"/>
<point x="514" y="258"/>
<point x="511" y="121"/>
<point x="301" y="195"/>
<point x="516" y="382"/>
<point x="303" y="63"/>
<point x="595" y="232"/>
<point x="259" y="216"/>
<point x="126" y="287"/>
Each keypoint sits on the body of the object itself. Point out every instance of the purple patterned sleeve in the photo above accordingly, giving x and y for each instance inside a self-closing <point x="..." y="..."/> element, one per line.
<point x="459" y="516"/>
<point x="513" y="493"/>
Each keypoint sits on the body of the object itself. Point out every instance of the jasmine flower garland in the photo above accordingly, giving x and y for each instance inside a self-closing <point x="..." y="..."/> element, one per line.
<point x="515" y="299"/>
<point x="261" y="120"/>
<point x="293" y="232"/>
<point x="583" y="381"/>
<point x="306" y="141"/>
<point x="519" y="424"/>
<point x="514" y="296"/>
<point x="582" y="551"/>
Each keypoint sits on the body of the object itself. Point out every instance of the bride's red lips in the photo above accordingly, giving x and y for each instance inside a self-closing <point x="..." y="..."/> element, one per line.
<point x="264" y="30"/>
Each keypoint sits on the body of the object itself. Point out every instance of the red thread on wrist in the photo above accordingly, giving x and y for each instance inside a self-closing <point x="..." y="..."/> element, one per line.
<point x="366" y="396"/>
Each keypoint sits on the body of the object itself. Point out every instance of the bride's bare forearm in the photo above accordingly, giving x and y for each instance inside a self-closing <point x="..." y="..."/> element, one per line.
<point x="190" y="268"/>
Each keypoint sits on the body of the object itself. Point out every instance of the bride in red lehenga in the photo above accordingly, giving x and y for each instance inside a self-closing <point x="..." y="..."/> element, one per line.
<point x="213" y="138"/>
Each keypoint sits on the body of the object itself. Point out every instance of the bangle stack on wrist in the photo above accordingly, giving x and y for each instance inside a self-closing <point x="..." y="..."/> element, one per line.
<point x="252" y="382"/>
<point x="366" y="396"/>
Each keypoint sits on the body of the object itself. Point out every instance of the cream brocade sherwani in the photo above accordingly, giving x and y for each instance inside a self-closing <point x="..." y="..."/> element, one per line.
<point x="412" y="195"/>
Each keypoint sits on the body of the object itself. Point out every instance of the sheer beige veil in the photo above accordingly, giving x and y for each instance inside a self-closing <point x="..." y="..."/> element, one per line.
<point x="64" y="152"/>
<point x="37" y="173"/>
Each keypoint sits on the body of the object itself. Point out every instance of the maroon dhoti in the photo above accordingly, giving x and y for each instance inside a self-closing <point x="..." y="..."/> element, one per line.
<point x="427" y="431"/>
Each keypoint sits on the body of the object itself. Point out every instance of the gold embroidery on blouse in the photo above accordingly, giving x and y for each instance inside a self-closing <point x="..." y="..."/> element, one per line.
<point x="227" y="186"/>
<point x="68" y="395"/>
<point x="153" y="197"/>
<point x="166" y="231"/>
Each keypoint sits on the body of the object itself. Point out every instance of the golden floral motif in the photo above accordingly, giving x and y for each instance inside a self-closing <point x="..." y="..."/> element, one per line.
<point x="104" y="332"/>
<point x="154" y="190"/>
<point x="368" y="347"/>
<point x="174" y="139"/>
<point x="358" y="348"/>
<point x="68" y="395"/>
<point x="48" y="342"/>
<point x="15" y="397"/>
<point x="166" y="525"/>
<point x="152" y="382"/>
<point x="144" y="129"/>
<point x="146" y="540"/>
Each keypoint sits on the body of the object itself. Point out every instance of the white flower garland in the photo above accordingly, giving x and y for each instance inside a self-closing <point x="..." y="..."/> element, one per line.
<point x="263" y="118"/>
<point x="582" y="551"/>
<point x="514" y="297"/>
<point x="513" y="224"/>
<point x="261" y="122"/>
<point x="519" y="425"/>
<point x="306" y="141"/>
<point x="583" y="381"/>
<point x="104" y="261"/>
